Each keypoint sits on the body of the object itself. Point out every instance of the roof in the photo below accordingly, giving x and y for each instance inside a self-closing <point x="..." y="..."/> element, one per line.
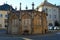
<point x="6" y="7"/>
<point x="46" y="3"/>
<point x="29" y="10"/>
<point x="24" y="11"/>
<point x="58" y="6"/>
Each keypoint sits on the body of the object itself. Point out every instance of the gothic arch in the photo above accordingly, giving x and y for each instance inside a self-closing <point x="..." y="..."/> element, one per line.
<point x="13" y="16"/>
<point x="26" y="23"/>
<point x="26" y="16"/>
<point x="37" y="20"/>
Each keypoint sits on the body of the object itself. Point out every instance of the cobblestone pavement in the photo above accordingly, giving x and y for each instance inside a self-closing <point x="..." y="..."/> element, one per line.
<point x="30" y="37"/>
<point x="51" y="36"/>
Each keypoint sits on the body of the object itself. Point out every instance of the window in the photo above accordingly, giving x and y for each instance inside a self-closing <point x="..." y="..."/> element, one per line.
<point x="49" y="16"/>
<point x="0" y="25"/>
<point x="46" y="10"/>
<point x="15" y="22"/>
<point x="0" y="15"/>
<point x="6" y="20"/>
<point x="54" y="10"/>
<point x="38" y="22"/>
<point x="26" y="22"/>
<point x="6" y="16"/>
<point x="54" y="16"/>
<point x="50" y="10"/>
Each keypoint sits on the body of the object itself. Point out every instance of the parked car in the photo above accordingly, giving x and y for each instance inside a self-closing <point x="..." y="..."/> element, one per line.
<point x="50" y="27"/>
<point x="56" y="27"/>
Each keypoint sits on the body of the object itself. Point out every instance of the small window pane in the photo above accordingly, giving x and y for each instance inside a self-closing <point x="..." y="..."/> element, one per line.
<point x="54" y="16"/>
<point x="0" y="15"/>
<point x="6" y="16"/>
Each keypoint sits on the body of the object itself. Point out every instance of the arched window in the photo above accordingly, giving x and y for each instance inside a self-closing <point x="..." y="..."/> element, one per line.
<point x="26" y="22"/>
<point x="37" y="20"/>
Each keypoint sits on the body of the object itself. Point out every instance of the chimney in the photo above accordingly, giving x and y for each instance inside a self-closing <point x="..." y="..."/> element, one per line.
<point x="45" y="0"/>
<point x="20" y="6"/>
<point x="32" y="5"/>
<point x="26" y="7"/>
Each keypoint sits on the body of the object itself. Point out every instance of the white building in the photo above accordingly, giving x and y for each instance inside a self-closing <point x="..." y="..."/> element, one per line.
<point x="52" y="11"/>
<point x="3" y="19"/>
<point x="4" y="15"/>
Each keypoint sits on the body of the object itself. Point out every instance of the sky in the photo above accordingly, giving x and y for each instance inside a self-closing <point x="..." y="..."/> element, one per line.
<point x="28" y="3"/>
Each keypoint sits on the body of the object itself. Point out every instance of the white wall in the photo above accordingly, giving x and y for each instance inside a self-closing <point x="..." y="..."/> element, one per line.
<point x="2" y="19"/>
<point x="52" y="11"/>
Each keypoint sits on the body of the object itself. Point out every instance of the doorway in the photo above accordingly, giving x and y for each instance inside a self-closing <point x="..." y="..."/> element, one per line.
<point x="25" y="32"/>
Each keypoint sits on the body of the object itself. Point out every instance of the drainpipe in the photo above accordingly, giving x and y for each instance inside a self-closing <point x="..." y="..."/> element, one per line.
<point x="42" y="21"/>
<point x="8" y="22"/>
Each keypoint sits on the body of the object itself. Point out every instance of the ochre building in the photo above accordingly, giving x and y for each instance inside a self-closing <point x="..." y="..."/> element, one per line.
<point x="27" y="22"/>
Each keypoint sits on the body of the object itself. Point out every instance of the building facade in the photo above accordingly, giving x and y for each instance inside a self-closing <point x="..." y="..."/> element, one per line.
<point x="52" y="11"/>
<point x="3" y="19"/>
<point x="27" y="22"/>
<point x="4" y="15"/>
